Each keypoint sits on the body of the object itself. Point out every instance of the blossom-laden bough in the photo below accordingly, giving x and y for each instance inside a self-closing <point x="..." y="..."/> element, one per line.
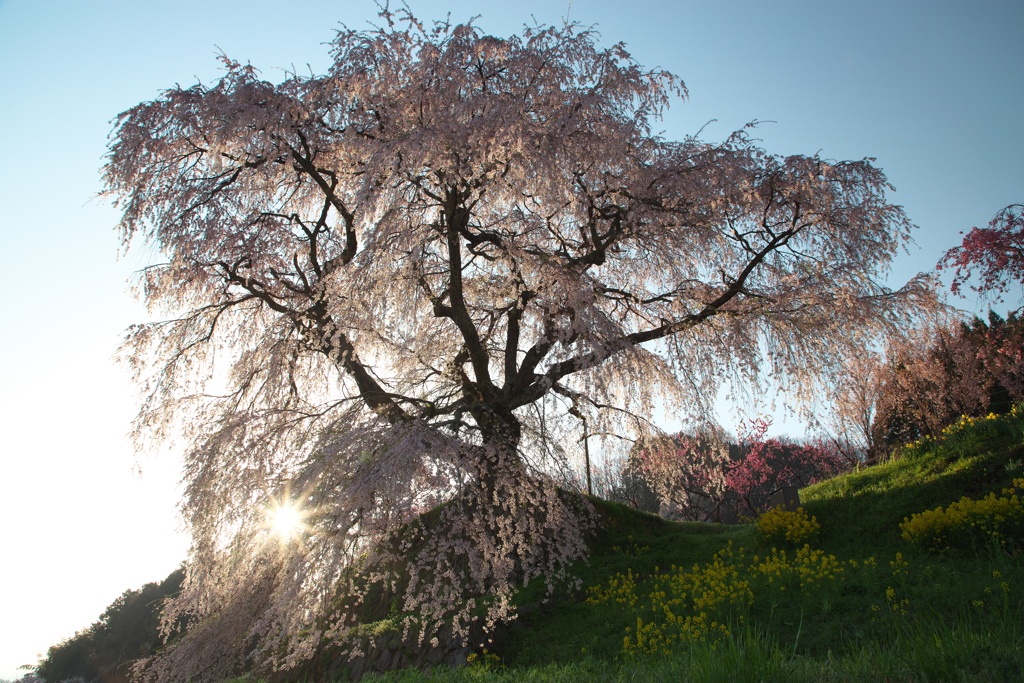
<point x="994" y="254"/>
<point x="406" y="282"/>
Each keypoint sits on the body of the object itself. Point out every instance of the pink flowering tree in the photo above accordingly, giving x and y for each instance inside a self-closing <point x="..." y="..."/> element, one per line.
<point x="855" y="399"/>
<point x="995" y="255"/>
<point x="687" y="474"/>
<point x="409" y="279"/>
<point x="952" y="370"/>
<point x="704" y="478"/>
<point x="766" y="465"/>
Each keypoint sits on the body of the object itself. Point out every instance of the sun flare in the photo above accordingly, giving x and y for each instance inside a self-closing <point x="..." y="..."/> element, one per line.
<point x="285" y="520"/>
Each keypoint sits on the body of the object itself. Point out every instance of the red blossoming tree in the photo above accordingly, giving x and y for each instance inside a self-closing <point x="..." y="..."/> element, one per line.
<point x="409" y="279"/>
<point x="766" y="465"/>
<point x="994" y="254"/>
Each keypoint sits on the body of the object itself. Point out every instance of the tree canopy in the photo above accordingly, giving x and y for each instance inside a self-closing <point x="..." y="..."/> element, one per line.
<point x="407" y="281"/>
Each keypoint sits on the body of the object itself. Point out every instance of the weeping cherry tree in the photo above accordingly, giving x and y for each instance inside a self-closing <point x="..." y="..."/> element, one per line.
<point x="412" y="281"/>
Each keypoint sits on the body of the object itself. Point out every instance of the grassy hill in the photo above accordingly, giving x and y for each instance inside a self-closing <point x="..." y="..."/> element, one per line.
<point x="855" y="601"/>
<point x="860" y="603"/>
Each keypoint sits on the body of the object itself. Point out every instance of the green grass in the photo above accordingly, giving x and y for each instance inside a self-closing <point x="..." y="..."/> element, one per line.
<point x="860" y="512"/>
<point x="947" y="654"/>
<point x="922" y="617"/>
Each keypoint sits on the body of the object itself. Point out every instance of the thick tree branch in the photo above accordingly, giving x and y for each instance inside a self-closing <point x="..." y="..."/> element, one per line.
<point x="328" y="188"/>
<point x="541" y="384"/>
<point x="456" y="218"/>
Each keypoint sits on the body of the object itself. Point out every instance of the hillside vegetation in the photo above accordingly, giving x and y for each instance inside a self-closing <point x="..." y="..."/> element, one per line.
<point x="844" y="590"/>
<point x="856" y="602"/>
<point x="127" y="630"/>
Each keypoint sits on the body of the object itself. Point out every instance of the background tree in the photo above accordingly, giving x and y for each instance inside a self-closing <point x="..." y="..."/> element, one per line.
<point x="705" y="478"/>
<point x="855" y="396"/>
<point x="960" y="369"/>
<point x="631" y="486"/>
<point x="942" y="371"/>
<point x="686" y="473"/>
<point x="127" y="630"/>
<point x="396" y="280"/>
<point x="994" y="254"/>
<point x="763" y="466"/>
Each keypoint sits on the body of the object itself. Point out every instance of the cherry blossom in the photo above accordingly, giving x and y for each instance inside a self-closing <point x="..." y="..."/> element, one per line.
<point x="704" y="478"/>
<point x="408" y="280"/>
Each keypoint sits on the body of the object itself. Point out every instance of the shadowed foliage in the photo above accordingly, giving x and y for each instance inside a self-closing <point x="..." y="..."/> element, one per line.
<point x="971" y="368"/>
<point x="127" y="630"/>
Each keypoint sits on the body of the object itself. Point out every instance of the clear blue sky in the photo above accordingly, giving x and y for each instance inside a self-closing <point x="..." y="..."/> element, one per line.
<point x="932" y="89"/>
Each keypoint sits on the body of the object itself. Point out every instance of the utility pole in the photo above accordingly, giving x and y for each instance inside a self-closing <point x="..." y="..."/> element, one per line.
<point x="586" y="456"/>
<point x="586" y="446"/>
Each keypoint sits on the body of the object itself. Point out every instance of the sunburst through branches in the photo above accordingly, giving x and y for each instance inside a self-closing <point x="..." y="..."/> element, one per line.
<point x="286" y="520"/>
